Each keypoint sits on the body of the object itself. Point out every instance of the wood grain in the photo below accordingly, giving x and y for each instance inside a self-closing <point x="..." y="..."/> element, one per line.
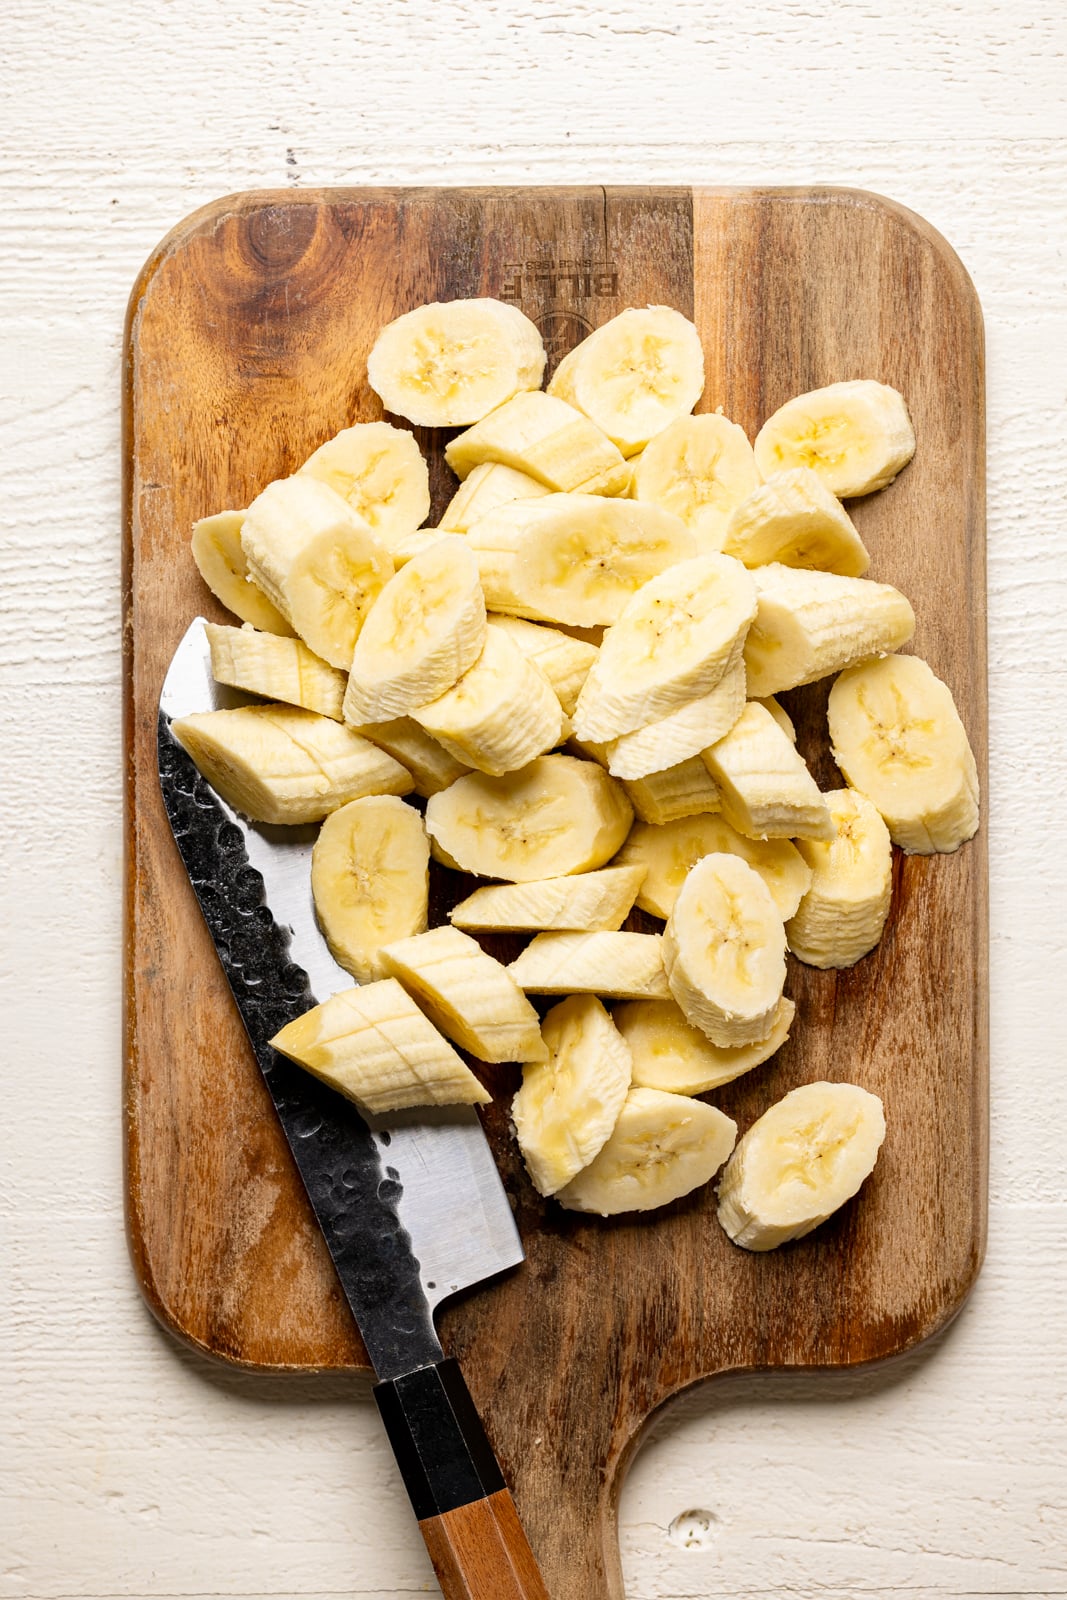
<point x="479" y="1552"/>
<point x="247" y="341"/>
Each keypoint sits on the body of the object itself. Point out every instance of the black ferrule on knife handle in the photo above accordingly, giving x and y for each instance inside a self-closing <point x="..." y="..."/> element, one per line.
<point x="437" y="1437"/>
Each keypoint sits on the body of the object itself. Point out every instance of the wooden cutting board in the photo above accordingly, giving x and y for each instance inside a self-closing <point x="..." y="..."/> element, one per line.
<point x="247" y="341"/>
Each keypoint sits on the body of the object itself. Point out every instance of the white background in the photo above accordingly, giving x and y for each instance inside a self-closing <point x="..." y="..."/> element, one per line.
<point x="133" y="1469"/>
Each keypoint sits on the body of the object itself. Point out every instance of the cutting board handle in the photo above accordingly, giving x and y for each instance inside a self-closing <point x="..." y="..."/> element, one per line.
<point x="457" y="1490"/>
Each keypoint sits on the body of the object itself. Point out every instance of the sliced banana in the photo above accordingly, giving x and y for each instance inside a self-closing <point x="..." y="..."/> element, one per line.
<point x="221" y="562"/>
<point x="568" y="1105"/>
<point x="447" y="364"/>
<point x="700" y="468"/>
<point x="675" y="640"/>
<point x="285" y="765"/>
<point x="626" y="965"/>
<point x="663" y="1146"/>
<point x="415" y="544"/>
<point x="686" y="790"/>
<point x="426" y="629"/>
<point x="277" y="668"/>
<point x="370" y="880"/>
<point x="432" y="767"/>
<point x="898" y="738"/>
<point x="556" y="816"/>
<point x="317" y="561"/>
<point x="500" y="715"/>
<point x="579" y="902"/>
<point x="488" y="486"/>
<point x="842" y="915"/>
<point x="812" y="624"/>
<point x="548" y="440"/>
<point x="767" y="790"/>
<point x="671" y="1055"/>
<point x="381" y="472"/>
<point x="856" y="436"/>
<point x="375" y="1046"/>
<point x="724" y="951"/>
<point x="667" y="853"/>
<point x="681" y="734"/>
<point x="564" y="661"/>
<point x="466" y="993"/>
<point x="803" y="1159"/>
<point x="634" y="375"/>
<point x="795" y="520"/>
<point x="781" y="716"/>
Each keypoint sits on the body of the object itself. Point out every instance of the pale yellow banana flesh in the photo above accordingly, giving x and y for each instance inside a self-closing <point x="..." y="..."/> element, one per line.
<point x="700" y="468"/>
<point x="685" y="790"/>
<point x="795" y="520"/>
<point x="447" y="364"/>
<point x="382" y="474"/>
<point x="812" y="624"/>
<point x="276" y="668"/>
<point x="500" y="715"/>
<point x="663" y="1146"/>
<point x="370" y="880"/>
<point x="578" y="902"/>
<point x="488" y="486"/>
<point x="681" y="734"/>
<point x="671" y="1055"/>
<point x="856" y="436"/>
<point x="466" y="993"/>
<point x="626" y="965"/>
<point x="767" y="790"/>
<point x="668" y="852"/>
<point x="564" y="661"/>
<point x="415" y="544"/>
<point x="374" y="1045"/>
<point x="216" y="548"/>
<point x="546" y="439"/>
<point x="781" y="716"/>
<point x="432" y="767"/>
<point x="844" y="911"/>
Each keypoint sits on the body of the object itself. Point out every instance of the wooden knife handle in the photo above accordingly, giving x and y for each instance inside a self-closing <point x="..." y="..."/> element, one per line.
<point x="465" y="1512"/>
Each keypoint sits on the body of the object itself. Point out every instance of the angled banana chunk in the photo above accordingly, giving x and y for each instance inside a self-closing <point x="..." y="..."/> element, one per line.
<point x="277" y="668"/>
<point x="488" y="486"/>
<point x="373" y="1044"/>
<point x="812" y="624"/>
<point x="671" y="1055"/>
<point x="898" y="739"/>
<point x="221" y="562"/>
<point x="500" y="715"/>
<point x="382" y="474"/>
<point x="684" y="790"/>
<point x="285" y="765"/>
<point x="405" y="549"/>
<point x="564" y="661"/>
<point x="370" y="880"/>
<point x="627" y="965"/>
<point x="795" y="520"/>
<point x="856" y="436"/>
<point x="781" y="716"/>
<point x="568" y="1105"/>
<point x="681" y="734"/>
<point x="767" y="790"/>
<point x="699" y="468"/>
<point x="669" y="851"/>
<point x="803" y="1159"/>
<point x="447" y="364"/>
<point x="432" y="767"/>
<point x="578" y="902"/>
<point x="546" y="439"/>
<point x="724" y="951"/>
<point x="471" y="997"/>
<point x="663" y="1146"/>
<point x="842" y="915"/>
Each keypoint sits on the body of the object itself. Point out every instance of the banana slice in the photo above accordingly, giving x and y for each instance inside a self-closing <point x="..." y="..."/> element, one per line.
<point x="564" y="661"/>
<point x="568" y="1105"/>
<point x="700" y="468"/>
<point x="426" y="629"/>
<point x="415" y="544"/>
<point x="724" y="951"/>
<point x="222" y="564"/>
<point x="781" y="716"/>
<point x="669" y="851"/>
<point x="556" y="816"/>
<point x="767" y="790"/>
<point x="580" y="902"/>
<point x="685" y="790"/>
<point x="277" y="668"/>
<point x="317" y="561"/>
<point x="548" y="440"/>
<point x="682" y="733"/>
<point x="370" y="880"/>
<point x="381" y="473"/>
<point x="432" y="767"/>
<point x="500" y="715"/>
<point x="634" y="375"/>
<point x="375" y="1046"/>
<point x="449" y="363"/>
<point x="795" y="520"/>
<point x="675" y="641"/>
<point x="671" y="1055"/>
<point x="628" y="965"/>
<point x="488" y="486"/>
<point x="803" y="1159"/>
<point x="812" y="624"/>
<point x="285" y="765"/>
<point x="467" y="994"/>
<point x="898" y="738"/>
<point x="843" y="913"/>
<point x="663" y="1147"/>
<point x="856" y="436"/>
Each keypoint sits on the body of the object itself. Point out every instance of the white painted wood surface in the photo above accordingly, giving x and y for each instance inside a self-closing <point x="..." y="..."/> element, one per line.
<point x="132" y="1469"/>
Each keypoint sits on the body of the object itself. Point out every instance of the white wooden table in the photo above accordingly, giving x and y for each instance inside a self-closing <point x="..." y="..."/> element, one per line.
<point x="131" y="1468"/>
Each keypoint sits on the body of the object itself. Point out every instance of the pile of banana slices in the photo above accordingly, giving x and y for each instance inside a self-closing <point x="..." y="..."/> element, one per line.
<point x="575" y="672"/>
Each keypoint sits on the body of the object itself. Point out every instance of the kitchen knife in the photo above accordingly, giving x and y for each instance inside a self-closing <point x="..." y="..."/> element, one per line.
<point x="411" y="1205"/>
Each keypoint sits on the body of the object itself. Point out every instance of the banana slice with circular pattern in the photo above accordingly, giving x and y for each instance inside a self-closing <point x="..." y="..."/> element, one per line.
<point x="663" y="1146"/>
<point x="701" y="469"/>
<point x="856" y="436"/>
<point x="382" y="474"/>
<point x="449" y="363"/>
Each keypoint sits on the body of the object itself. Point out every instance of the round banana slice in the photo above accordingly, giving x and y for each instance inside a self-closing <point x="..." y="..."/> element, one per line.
<point x="223" y="566"/>
<point x="634" y="375"/>
<point x="556" y="816"/>
<point x="381" y="473"/>
<point x="568" y="1105"/>
<point x="447" y="364"/>
<point x="812" y="624"/>
<point x="844" y="911"/>
<point x="370" y="880"/>
<point x="897" y="737"/>
<point x="669" y="851"/>
<point x="700" y="468"/>
<point x="663" y="1146"/>
<point x="724" y="951"/>
<point x="488" y="486"/>
<point x="501" y="714"/>
<point x="426" y="629"/>
<point x="794" y="519"/>
<point x="803" y="1159"/>
<point x="671" y="1055"/>
<point x="547" y="439"/>
<point x="856" y="436"/>
<point x="681" y="734"/>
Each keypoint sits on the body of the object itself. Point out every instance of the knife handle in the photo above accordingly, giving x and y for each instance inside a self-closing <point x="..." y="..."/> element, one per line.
<point x="466" y="1514"/>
